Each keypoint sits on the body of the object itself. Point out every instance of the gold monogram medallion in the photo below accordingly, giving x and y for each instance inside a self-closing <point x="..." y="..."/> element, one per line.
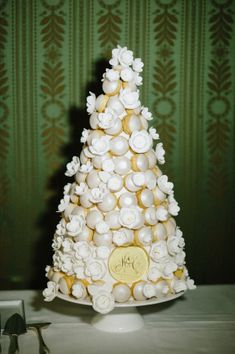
<point x="128" y="264"/>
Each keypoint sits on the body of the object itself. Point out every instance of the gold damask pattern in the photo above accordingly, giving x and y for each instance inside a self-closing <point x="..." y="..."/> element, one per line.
<point x="219" y="108"/>
<point x="164" y="84"/>
<point x="52" y="87"/>
<point x="50" y="53"/>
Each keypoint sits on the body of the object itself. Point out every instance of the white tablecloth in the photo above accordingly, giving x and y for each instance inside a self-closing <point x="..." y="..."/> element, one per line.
<point x="202" y="321"/>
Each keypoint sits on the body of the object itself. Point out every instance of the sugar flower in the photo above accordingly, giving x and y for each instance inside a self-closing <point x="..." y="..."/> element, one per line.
<point x="73" y="166"/>
<point x="51" y="291"/>
<point x="85" y="134"/>
<point x="90" y="103"/>
<point x="160" y="153"/>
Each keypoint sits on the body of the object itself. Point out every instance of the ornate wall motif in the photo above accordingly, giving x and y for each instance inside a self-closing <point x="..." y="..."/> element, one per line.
<point x="51" y="55"/>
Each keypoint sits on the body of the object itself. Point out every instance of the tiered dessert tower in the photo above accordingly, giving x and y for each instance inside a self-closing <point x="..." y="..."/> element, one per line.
<point x="117" y="240"/>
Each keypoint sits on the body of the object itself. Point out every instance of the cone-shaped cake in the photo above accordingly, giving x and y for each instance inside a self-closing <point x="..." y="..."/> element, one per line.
<point x="117" y="240"/>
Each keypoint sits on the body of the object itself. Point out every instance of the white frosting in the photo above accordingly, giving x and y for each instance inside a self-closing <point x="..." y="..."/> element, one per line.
<point x="103" y="252"/>
<point x="73" y="166"/>
<point x="51" y="291"/>
<point x="140" y="141"/>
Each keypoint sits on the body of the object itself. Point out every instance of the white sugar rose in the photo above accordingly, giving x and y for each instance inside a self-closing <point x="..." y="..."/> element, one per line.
<point x="179" y="285"/>
<point x="97" y="194"/>
<point x="138" y="65"/>
<point x="127" y="74"/>
<point x="67" y="188"/>
<point x="75" y="225"/>
<point x="64" y="203"/>
<point x="103" y="252"/>
<point x="61" y="227"/>
<point x="153" y="133"/>
<point x="158" y="250"/>
<point x="107" y="119"/>
<point x="180" y="258"/>
<point x="67" y="245"/>
<point x="164" y="185"/>
<point x="173" y="206"/>
<point x="129" y="99"/>
<point x="102" y="227"/>
<point x="149" y="290"/>
<point x="146" y="114"/>
<point x="168" y="267"/>
<point x="138" y="80"/>
<point x="85" y="134"/>
<point x="103" y="302"/>
<point x="82" y="250"/>
<point x="173" y="245"/>
<point x="190" y="283"/>
<point x="90" y="103"/>
<point x="99" y="146"/>
<point x="140" y="141"/>
<point x="131" y="217"/>
<point x="160" y="153"/>
<point x="81" y="189"/>
<point x="79" y="270"/>
<point x="67" y="264"/>
<point x="121" y="56"/>
<point x="86" y="168"/>
<point x="112" y="75"/>
<point x="51" y="291"/>
<point x="95" y="269"/>
<point x="73" y="166"/>
<point x="161" y="213"/>
<point x="57" y="242"/>
<point x="154" y="273"/>
<point x="122" y="236"/>
<point x="79" y="290"/>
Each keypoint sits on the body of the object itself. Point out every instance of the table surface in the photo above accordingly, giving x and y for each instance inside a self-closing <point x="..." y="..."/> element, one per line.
<point x="201" y="321"/>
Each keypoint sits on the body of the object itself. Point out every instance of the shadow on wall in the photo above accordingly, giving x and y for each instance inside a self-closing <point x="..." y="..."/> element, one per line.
<point x="47" y="221"/>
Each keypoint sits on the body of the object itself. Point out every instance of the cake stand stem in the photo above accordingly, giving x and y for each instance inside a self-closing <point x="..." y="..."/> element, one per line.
<point x="120" y="320"/>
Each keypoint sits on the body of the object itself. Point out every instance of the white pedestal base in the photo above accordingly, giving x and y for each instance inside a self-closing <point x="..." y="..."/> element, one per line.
<point x="120" y="320"/>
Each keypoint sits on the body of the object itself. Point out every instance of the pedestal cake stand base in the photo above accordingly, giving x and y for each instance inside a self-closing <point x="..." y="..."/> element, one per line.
<point x="124" y="317"/>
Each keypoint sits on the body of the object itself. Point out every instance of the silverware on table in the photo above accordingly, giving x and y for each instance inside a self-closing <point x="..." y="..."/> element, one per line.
<point x="43" y="349"/>
<point x="14" y="326"/>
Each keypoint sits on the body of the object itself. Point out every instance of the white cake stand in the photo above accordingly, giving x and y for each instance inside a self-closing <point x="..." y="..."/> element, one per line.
<point x="124" y="317"/>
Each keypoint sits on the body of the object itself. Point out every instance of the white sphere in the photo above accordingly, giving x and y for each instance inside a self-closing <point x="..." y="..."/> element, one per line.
<point x="127" y="199"/>
<point x="109" y="87"/>
<point x="93" y="218"/>
<point x="159" y="232"/>
<point x="138" y="179"/>
<point x="151" y="179"/>
<point x="144" y="236"/>
<point x="150" y="216"/>
<point x="115" y="183"/>
<point x="170" y="226"/>
<point x="138" y="291"/>
<point x="146" y="198"/>
<point x="115" y="104"/>
<point x="93" y="179"/>
<point x="85" y="235"/>
<point x="116" y="129"/>
<point x="80" y="177"/>
<point x="83" y="158"/>
<point x="108" y="204"/>
<point x="119" y="145"/>
<point x="129" y="184"/>
<point x="131" y="123"/>
<point x="140" y="162"/>
<point x="160" y="288"/>
<point x="103" y="239"/>
<point x="94" y="121"/>
<point x="112" y="219"/>
<point x="98" y="160"/>
<point x="159" y="196"/>
<point x="101" y="102"/>
<point x="152" y="158"/>
<point x="122" y="165"/>
<point x="121" y="292"/>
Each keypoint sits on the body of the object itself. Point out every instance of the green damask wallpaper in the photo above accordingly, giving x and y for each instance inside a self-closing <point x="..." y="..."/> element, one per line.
<point x="52" y="53"/>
